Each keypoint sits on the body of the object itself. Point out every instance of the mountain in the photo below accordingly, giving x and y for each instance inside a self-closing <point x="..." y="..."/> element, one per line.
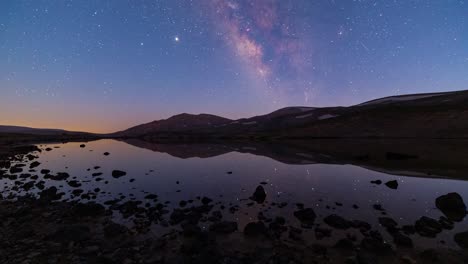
<point x="29" y="130"/>
<point x="178" y="123"/>
<point x="430" y="115"/>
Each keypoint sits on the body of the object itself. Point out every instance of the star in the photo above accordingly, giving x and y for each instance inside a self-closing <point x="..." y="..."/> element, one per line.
<point x="176" y="39"/>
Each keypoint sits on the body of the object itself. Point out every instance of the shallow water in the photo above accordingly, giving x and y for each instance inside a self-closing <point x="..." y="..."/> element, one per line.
<point x="319" y="186"/>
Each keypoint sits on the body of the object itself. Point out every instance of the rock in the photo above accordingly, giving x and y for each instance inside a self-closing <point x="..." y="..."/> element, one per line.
<point x="15" y="169"/>
<point x="113" y="230"/>
<point x="376" y="246"/>
<point x="306" y="216"/>
<point x="34" y="164"/>
<point x="345" y="244"/>
<point x="337" y="222"/>
<point x="74" y="184"/>
<point x="427" y="227"/>
<point x="190" y="229"/>
<point x="206" y="200"/>
<point x="50" y="194"/>
<point x="388" y="223"/>
<point x="82" y="145"/>
<point x="117" y="173"/>
<point x="452" y="206"/>
<point x="321" y="233"/>
<point x="378" y="207"/>
<point x="151" y="196"/>
<point x="106" y="153"/>
<point x="224" y="227"/>
<point x="392" y="184"/>
<point x="255" y="229"/>
<point x="402" y="240"/>
<point x="462" y="239"/>
<point x="88" y="209"/>
<point x="69" y="233"/>
<point x="44" y="171"/>
<point x="378" y="182"/>
<point x="77" y="192"/>
<point x="96" y="174"/>
<point x="361" y="225"/>
<point x="259" y="195"/>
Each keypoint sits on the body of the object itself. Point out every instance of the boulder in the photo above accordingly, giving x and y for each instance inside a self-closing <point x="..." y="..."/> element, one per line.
<point x="462" y="239"/>
<point x="259" y="195"/>
<point x="427" y="227"/>
<point x="452" y="206"/>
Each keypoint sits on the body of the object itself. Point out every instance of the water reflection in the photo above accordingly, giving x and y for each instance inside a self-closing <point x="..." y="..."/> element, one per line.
<point x="332" y="177"/>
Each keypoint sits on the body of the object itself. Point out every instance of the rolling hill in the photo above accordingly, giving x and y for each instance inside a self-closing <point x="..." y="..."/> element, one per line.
<point x="432" y="115"/>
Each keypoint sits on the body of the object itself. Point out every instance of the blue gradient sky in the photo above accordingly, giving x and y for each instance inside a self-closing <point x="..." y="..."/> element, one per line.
<point x="106" y="65"/>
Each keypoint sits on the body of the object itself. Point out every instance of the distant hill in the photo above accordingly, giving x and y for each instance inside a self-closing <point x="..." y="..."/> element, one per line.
<point x="430" y="115"/>
<point x="29" y="130"/>
<point x="178" y="123"/>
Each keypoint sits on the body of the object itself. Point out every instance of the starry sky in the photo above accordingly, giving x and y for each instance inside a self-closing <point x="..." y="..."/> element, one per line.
<point x="103" y="66"/>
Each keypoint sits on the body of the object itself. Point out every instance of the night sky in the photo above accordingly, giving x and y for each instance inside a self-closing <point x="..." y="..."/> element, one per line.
<point x="103" y="66"/>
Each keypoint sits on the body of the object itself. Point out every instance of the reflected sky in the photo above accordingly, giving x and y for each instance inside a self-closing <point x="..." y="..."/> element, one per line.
<point x="316" y="185"/>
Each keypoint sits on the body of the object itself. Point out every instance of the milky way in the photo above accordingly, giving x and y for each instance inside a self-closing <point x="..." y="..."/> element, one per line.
<point x="107" y="65"/>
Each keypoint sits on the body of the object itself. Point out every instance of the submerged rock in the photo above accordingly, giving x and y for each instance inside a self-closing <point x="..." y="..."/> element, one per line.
<point x="452" y="206"/>
<point x="118" y="173"/>
<point x="259" y="195"/>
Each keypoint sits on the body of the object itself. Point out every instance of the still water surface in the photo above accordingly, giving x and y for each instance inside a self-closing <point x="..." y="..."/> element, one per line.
<point x="231" y="178"/>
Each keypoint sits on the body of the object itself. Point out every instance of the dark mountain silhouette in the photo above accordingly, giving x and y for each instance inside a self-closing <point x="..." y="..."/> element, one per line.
<point x="178" y="123"/>
<point x="432" y="115"/>
<point x="35" y="131"/>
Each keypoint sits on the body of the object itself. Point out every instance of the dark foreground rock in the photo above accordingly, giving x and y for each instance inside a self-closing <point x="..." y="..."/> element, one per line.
<point x="452" y="206"/>
<point x="259" y="195"/>
<point x="462" y="239"/>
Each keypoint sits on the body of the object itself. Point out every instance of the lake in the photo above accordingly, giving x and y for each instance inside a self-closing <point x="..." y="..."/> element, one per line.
<point x="375" y="188"/>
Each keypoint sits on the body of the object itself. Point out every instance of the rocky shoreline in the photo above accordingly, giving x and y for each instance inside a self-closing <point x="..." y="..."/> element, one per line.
<point x="45" y="227"/>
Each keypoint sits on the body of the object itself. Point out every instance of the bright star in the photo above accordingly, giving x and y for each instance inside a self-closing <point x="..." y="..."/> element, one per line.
<point x="176" y="38"/>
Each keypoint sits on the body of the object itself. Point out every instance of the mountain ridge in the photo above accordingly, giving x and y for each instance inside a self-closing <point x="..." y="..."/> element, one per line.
<point x="428" y="115"/>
